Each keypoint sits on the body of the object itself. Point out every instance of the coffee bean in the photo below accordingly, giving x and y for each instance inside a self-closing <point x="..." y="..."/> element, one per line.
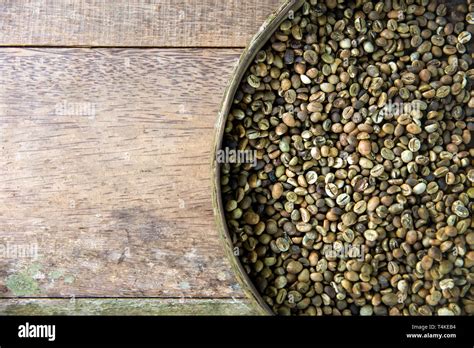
<point x="390" y="299"/>
<point x="294" y="267"/>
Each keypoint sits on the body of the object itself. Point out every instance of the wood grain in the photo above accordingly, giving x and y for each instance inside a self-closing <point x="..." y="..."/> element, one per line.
<point x="123" y="306"/>
<point x="125" y="23"/>
<point x="105" y="167"/>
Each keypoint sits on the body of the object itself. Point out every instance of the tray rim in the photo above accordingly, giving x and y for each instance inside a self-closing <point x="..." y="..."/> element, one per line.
<point x="257" y="42"/>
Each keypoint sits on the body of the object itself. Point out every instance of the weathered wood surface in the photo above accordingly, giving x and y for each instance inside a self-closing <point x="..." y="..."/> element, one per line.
<point x="105" y="164"/>
<point x="121" y="306"/>
<point x="122" y="23"/>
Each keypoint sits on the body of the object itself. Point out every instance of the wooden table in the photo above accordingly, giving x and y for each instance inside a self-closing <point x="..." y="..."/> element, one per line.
<point x="107" y="112"/>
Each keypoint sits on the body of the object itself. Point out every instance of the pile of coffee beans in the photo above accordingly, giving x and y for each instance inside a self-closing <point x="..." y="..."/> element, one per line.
<point x="360" y="197"/>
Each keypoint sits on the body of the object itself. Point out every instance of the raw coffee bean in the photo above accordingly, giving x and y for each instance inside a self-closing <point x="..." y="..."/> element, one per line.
<point x="283" y="244"/>
<point x="364" y="147"/>
<point x="413" y="128"/>
<point x="373" y="204"/>
<point x="419" y="188"/>
<point x="251" y="218"/>
<point x="390" y="299"/>
<point x="277" y="190"/>
<point x="371" y="235"/>
<point x="280" y="282"/>
<point x="366" y="310"/>
<point x="377" y="171"/>
<point x="294" y="267"/>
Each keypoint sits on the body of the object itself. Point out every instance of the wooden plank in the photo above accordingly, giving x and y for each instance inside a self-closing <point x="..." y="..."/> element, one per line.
<point x="105" y="168"/>
<point x="126" y="23"/>
<point x="122" y="306"/>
